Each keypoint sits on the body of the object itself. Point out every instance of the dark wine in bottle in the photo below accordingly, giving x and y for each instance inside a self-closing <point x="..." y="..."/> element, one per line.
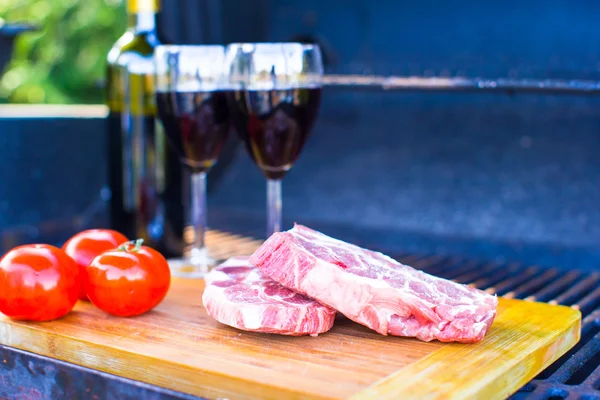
<point x="145" y="175"/>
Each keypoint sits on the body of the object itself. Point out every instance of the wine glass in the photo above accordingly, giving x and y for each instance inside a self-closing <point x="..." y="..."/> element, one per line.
<point x="193" y="110"/>
<point x="274" y="96"/>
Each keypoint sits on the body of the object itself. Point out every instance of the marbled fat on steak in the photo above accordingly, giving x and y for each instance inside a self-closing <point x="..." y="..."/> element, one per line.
<point x="239" y="295"/>
<point x="375" y="290"/>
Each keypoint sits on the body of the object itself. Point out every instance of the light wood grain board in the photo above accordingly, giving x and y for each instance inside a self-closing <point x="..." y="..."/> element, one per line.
<point x="178" y="346"/>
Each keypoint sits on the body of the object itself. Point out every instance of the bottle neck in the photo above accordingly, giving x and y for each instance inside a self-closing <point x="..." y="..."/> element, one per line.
<point x="144" y="21"/>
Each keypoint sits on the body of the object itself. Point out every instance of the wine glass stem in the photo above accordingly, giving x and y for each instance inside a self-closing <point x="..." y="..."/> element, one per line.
<point x="273" y="206"/>
<point x="199" y="208"/>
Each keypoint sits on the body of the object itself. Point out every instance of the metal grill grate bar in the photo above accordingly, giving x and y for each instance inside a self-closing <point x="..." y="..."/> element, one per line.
<point x="544" y="396"/>
<point x="589" y="302"/>
<point x="577" y="291"/>
<point x="489" y="281"/>
<point x="594" y="379"/>
<point x="479" y="272"/>
<point x="463" y="272"/>
<point x="527" y="288"/>
<point x="515" y="280"/>
<point x="558" y="286"/>
<point x="401" y="256"/>
<point x="411" y="259"/>
<point x="444" y="265"/>
<point x="566" y="372"/>
<point x="425" y="263"/>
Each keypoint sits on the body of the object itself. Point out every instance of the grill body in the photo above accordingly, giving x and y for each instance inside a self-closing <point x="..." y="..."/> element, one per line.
<point x="516" y="174"/>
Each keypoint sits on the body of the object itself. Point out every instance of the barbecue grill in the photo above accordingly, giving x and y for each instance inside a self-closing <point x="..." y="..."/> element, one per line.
<point x="515" y="99"/>
<point x="575" y="375"/>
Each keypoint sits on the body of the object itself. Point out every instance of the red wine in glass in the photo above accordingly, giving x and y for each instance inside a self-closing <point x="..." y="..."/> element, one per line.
<point x="275" y="124"/>
<point x="196" y="125"/>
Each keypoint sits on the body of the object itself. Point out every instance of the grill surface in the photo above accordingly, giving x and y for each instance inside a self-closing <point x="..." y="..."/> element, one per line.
<point x="576" y="375"/>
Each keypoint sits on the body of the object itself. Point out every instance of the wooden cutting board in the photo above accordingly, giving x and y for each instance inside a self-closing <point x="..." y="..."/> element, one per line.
<point x="178" y="346"/>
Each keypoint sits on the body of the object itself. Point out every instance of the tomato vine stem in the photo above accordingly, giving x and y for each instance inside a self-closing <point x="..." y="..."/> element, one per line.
<point x="137" y="245"/>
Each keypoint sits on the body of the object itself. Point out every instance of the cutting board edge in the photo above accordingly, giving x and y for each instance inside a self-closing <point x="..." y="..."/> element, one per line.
<point x="495" y="388"/>
<point x="19" y="333"/>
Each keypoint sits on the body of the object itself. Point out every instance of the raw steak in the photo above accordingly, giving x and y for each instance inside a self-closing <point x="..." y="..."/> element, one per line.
<point x="239" y="295"/>
<point x="373" y="289"/>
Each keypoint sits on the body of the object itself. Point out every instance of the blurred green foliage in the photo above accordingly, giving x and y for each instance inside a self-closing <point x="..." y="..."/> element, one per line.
<point x="64" y="61"/>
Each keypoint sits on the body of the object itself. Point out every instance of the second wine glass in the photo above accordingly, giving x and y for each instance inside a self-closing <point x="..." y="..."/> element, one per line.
<point x="194" y="113"/>
<point x="275" y="94"/>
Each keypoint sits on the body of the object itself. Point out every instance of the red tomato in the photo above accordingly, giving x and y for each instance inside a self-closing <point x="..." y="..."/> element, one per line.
<point x="38" y="282"/>
<point x="84" y="246"/>
<point x="128" y="281"/>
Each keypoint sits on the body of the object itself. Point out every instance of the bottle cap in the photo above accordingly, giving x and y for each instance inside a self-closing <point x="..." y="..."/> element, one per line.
<point x="136" y="6"/>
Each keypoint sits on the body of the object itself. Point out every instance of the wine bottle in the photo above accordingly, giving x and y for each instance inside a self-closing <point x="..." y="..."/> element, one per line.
<point x="145" y="175"/>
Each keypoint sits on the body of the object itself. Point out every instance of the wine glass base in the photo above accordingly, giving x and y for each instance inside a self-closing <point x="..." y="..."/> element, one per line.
<point x="194" y="266"/>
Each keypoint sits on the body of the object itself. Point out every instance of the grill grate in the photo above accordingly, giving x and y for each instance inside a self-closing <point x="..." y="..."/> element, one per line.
<point x="576" y="375"/>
